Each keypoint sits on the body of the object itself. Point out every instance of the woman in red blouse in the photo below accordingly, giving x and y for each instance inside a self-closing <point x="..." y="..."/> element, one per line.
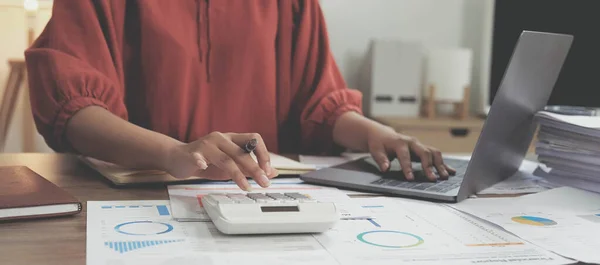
<point x="181" y="85"/>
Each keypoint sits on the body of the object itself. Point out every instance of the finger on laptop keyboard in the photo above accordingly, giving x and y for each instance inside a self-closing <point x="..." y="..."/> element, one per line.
<point x="426" y="159"/>
<point x="378" y="153"/>
<point x="450" y="170"/>
<point x="438" y="163"/>
<point x="403" y="156"/>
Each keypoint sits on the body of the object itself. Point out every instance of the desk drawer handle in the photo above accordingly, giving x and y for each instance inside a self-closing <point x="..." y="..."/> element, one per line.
<point x="459" y="132"/>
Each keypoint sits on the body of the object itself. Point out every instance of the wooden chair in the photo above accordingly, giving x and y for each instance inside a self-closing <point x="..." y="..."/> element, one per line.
<point x="17" y="80"/>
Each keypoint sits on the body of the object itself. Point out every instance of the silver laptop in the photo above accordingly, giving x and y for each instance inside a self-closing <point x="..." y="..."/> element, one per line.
<point x="505" y="138"/>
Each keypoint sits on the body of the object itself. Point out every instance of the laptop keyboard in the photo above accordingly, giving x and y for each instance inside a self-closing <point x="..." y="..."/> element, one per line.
<point x="441" y="186"/>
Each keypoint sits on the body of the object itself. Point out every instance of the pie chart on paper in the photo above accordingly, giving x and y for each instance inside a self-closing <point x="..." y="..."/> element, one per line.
<point x="533" y="220"/>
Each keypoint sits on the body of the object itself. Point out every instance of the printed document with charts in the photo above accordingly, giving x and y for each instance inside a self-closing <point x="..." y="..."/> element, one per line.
<point x="404" y="232"/>
<point x="563" y="220"/>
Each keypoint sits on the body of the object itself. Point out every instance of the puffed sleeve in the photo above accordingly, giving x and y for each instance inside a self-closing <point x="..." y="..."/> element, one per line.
<point x="322" y="93"/>
<point x="75" y="63"/>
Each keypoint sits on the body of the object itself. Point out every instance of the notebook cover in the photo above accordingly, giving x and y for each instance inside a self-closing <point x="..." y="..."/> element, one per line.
<point x="22" y="187"/>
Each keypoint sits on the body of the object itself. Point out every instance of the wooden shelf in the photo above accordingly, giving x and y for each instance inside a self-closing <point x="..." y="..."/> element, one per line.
<point x="448" y="134"/>
<point x="433" y="123"/>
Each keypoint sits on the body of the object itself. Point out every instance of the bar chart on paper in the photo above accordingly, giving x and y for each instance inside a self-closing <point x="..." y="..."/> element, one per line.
<point x="161" y="210"/>
<point x="126" y="246"/>
<point x="125" y="228"/>
<point x="143" y="233"/>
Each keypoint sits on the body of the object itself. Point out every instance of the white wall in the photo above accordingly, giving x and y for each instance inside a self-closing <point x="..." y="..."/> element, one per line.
<point x="477" y="35"/>
<point x="449" y="23"/>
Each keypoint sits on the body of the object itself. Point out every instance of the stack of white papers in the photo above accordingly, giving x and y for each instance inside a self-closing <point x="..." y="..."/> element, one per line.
<point x="569" y="147"/>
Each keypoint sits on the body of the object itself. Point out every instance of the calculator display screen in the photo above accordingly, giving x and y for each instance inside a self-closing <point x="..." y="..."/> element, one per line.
<point x="268" y="209"/>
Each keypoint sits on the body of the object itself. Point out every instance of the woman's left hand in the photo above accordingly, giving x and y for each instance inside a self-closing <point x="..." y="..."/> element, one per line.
<point x="384" y="143"/>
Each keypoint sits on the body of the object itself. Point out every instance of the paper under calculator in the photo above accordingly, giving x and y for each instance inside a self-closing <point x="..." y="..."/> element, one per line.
<point x="269" y="213"/>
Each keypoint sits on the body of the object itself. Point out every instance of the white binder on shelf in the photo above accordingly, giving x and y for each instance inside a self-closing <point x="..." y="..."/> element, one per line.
<point x="392" y="79"/>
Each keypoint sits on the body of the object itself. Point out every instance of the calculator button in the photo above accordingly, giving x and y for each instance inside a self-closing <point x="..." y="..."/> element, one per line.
<point x="279" y="196"/>
<point x="238" y="199"/>
<point x="258" y="196"/>
<point x="236" y="195"/>
<point x="297" y="196"/>
<point x="267" y="201"/>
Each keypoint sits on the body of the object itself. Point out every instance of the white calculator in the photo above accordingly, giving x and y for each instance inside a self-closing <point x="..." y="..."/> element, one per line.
<point x="269" y="213"/>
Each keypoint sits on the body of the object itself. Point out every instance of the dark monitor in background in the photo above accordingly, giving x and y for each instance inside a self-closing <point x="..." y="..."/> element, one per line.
<point x="579" y="81"/>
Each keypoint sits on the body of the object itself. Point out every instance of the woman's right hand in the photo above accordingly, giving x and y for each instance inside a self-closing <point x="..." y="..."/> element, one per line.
<point x="220" y="156"/>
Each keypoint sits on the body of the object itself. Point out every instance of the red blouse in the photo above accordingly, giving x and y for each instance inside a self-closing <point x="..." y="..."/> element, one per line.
<point x="186" y="68"/>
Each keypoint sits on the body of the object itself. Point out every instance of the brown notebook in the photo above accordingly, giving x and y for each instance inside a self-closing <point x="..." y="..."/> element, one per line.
<point x="25" y="195"/>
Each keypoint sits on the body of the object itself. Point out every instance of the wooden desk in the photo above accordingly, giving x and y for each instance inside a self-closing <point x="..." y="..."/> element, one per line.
<point x="60" y="240"/>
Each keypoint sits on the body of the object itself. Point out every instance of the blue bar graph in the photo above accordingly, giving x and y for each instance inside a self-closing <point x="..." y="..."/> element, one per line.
<point x="162" y="210"/>
<point x="128" y="246"/>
